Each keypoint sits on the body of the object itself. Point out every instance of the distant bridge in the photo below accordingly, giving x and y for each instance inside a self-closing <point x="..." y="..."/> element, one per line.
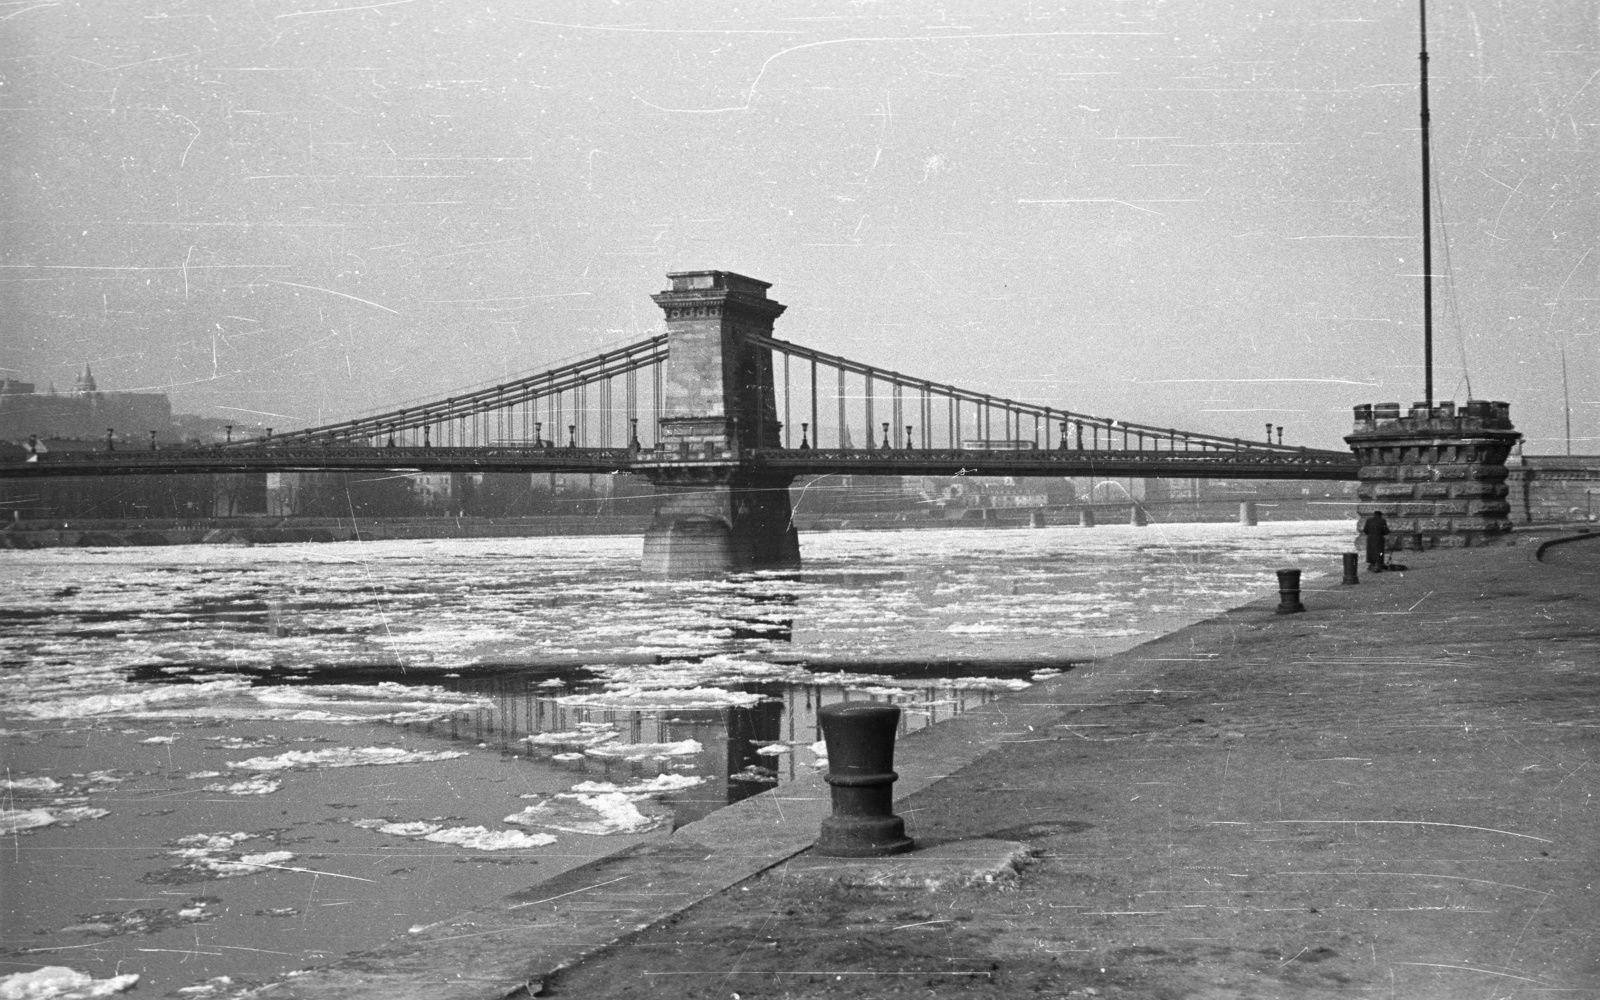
<point x="717" y="404"/>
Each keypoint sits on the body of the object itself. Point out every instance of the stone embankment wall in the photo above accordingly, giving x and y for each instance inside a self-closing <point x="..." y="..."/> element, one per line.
<point x="1550" y="489"/>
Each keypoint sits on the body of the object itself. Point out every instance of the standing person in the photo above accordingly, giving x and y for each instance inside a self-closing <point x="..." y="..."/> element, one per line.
<point x="1376" y="529"/>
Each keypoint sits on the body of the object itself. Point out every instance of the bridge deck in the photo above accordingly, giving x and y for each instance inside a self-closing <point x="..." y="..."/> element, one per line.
<point x="1305" y="464"/>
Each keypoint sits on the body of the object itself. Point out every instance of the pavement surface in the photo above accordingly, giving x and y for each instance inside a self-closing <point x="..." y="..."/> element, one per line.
<point x="1389" y="795"/>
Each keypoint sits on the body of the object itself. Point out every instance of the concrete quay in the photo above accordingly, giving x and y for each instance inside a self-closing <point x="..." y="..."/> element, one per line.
<point x="1389" y="795"/>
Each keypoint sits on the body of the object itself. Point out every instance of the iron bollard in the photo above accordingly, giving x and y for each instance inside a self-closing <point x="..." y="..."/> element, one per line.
<point x="860" y="739"/>
<point x="1350" y="576"/>
<point x="1289" y="592"/>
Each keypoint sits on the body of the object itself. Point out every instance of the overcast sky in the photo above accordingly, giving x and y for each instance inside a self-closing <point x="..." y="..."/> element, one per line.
<point x="1203" y="214"/>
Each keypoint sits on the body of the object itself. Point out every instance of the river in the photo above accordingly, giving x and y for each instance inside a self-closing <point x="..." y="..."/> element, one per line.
<point x="194" y="736"/>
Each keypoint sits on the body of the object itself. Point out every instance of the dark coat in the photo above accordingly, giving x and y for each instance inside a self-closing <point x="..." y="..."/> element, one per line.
<point x="1375" y="529"/>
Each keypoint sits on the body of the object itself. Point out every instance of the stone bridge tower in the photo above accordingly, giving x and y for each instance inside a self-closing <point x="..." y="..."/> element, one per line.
<point x="712" y="515"/>
<point x="1438" y="474"/>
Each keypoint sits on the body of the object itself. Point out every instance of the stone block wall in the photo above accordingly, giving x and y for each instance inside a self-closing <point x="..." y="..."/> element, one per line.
<point x="1549" y="489"/>
<point x="1438" y="474"/>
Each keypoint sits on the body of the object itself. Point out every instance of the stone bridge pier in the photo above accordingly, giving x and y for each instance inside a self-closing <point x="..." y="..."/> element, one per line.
<point x="713" y="514"/>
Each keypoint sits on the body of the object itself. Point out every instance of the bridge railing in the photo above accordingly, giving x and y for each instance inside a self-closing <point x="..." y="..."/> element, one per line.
<point x="551" y="407"/>
<point x="913" y="407"/>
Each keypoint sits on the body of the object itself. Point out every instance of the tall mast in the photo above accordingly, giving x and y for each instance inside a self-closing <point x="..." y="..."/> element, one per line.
<point x="1427" y="225"/>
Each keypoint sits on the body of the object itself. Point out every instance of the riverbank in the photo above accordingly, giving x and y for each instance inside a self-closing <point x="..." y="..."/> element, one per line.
<point x="1389" y="794"/>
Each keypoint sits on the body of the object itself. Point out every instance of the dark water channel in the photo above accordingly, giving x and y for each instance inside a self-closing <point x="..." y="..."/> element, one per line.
<point x="740" y="738"/>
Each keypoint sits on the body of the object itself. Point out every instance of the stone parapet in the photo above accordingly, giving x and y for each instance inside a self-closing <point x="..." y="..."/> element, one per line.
<point x="1438" y="474"/>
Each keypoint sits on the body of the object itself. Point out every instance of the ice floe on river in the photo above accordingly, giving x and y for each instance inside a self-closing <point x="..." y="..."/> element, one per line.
<point x="477" y="838"/>
<point x="303" y="760"/>
<point x="212" y="856"/>
<point x="57" y="982"/>
<point x="18" y="820"/>
<point x="598" y="814"/>
<point x="80" y="623"/>
<point x="253" y="786"/>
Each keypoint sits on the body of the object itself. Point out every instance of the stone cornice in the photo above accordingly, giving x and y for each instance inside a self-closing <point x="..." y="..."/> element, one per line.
<point x="715" y="303"/>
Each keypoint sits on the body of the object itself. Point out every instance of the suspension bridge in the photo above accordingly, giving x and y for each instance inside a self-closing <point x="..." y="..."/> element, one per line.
<point x="722" y="416"/>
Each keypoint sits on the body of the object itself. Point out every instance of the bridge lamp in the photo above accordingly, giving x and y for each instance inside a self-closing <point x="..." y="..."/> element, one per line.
<point x="230" y="433"/>
<point x="152" y="440"/>
<point x="908" y="437"/>
<point x="1269" y="432"/>
<point x="538" y="434"/>
<point x="805" y="442"/>
<point x="111" y="439"/>
<point x="886" y="444"/>
<point x="572" y="435"/>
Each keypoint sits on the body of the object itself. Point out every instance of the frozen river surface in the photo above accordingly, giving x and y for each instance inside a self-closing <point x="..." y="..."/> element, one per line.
<point x="211" y="752"/>
<point x="90" y="632"/>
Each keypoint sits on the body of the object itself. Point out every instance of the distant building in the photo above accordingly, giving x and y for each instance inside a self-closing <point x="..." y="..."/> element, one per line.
<point x="85" y="414"/>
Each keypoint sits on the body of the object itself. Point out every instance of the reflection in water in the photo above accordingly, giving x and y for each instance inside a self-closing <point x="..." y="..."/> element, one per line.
<point x="741" y="738"/>
<point x="780" y="719"/>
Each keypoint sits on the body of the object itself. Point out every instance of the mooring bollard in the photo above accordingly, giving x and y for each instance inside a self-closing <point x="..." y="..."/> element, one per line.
<point x="860" y="739"/>
<point x="1247" y="513"/>
<point x="1350" y="569"/>
<point x="1086" y="517"/>
<point x="1289" y="592"/>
